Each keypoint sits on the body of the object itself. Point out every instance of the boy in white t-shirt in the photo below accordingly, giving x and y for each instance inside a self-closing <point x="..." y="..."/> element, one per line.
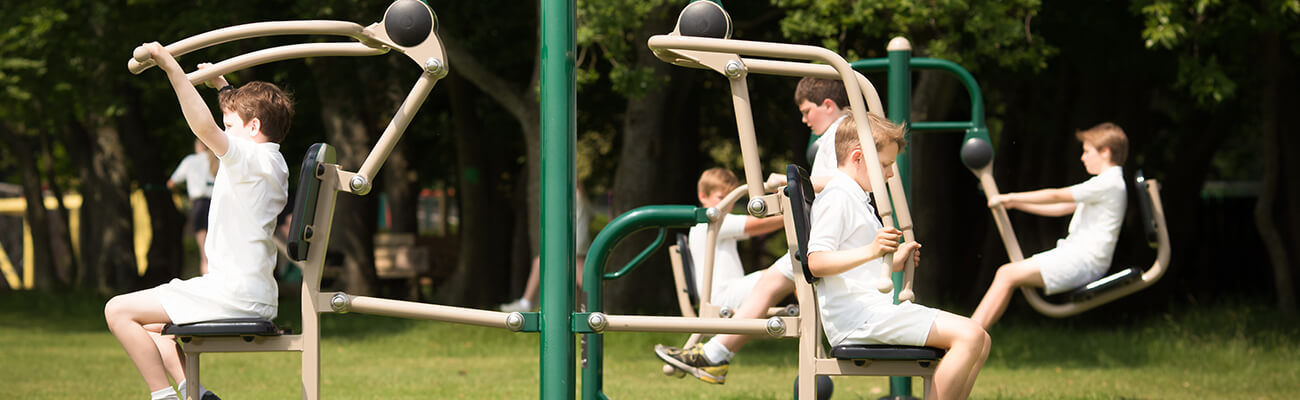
<point x="845" y="246"/>
<point x="250" y="191"/>
<point x="730" y="283"/>
<point x="1097" y="207"/>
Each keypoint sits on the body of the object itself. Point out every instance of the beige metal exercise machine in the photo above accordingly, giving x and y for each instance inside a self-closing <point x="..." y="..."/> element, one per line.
<point x="702" y="40"/>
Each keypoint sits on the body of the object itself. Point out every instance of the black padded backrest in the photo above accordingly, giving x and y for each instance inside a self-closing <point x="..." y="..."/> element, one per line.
<point x="304" y="202"/>
<point x="800" y="191"/>
<point x="1140" y="185"/>
<point x="688" y="267"/>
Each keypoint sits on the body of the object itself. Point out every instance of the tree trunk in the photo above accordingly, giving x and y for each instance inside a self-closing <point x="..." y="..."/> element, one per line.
<point x="166" y="250"/>
<point x="485" y="220"/>
<point x="641" y="176"/>
<point x="1268" y="192"/>
<point x="355" y="216"/>
<point x="37" y="216"/>
<point x="65" y="260"/>
<point x="107" y="247"/>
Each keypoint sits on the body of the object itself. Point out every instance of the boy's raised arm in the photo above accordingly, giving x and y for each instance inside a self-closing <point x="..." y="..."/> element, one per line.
<point x="196" y="111"/>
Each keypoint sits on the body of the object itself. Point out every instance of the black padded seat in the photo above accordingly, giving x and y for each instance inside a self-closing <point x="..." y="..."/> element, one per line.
<point x="886" y="352"/>
<point x="1102" y="285"/>
<point x="688" y="268"/>
<point x="246" y="327"/>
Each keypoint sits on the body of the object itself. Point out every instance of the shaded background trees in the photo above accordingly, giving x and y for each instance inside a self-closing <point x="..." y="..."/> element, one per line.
<point x="1200" y="86"/>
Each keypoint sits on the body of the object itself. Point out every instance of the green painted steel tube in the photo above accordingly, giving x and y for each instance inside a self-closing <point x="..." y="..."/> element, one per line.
<point x="598" y="255"/>
<point x="558" y="103"/>
<point x="636" y="261"/>
<point x="967" y="80"/>
<point x="900" y="112"/>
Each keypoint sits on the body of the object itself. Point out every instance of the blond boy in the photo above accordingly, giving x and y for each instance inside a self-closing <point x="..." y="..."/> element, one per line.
<point x="730" y="283"/>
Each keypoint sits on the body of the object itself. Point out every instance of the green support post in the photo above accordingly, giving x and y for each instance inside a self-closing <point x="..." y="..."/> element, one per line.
<point x="593" y="273"/>
<point x="900" y="112"/>
<point x="558" y="94"/>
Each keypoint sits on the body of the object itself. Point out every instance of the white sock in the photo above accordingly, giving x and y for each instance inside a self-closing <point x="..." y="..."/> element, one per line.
<point x="180" y="389"/>
<point x="166" y="393"/>
<point x="524" y="302"/>
<point x="717" y="353"/>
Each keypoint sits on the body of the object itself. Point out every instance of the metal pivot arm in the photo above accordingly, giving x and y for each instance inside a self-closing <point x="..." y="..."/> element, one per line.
<point x="412" y="31"/>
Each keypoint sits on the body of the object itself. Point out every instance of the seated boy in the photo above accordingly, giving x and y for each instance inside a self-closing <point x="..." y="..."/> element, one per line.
<point x="730" y="283"/>
<point x="1097" y="205"/>
<point x="250" y="189"/>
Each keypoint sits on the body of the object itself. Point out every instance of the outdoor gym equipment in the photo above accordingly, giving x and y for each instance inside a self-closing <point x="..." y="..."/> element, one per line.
<point x="723" y="55"/>
<point x="408" y="27"/>
<point x="977" y="155"/>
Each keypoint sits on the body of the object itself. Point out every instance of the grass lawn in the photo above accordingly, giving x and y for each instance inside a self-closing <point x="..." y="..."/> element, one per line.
<point x="57" y="347"/>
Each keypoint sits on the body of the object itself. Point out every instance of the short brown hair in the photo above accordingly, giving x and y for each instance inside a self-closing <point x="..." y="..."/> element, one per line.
<point x="882" y="132"/>
<point x="1107" y="135"/>
<point x="815" y="90"/>
<point x="264" y="101"/>
<point x="717" y="178"/>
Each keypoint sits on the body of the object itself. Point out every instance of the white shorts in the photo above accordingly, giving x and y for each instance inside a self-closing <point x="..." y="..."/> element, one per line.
<point x="1064" y="269"/>
<point x="195" y="300"/>
<point x="906" y="324"/>
<point x="734" y="293"/>
<point x="784" y="266"/>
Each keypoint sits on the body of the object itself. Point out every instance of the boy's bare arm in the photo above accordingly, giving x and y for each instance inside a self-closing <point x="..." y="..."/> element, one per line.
<point x="1047" y="210"/>
<point x="1046" y="202"/>
<point x="830" y="263"/>
<point x="763" y="226"/>
<point x="196" y="111"/>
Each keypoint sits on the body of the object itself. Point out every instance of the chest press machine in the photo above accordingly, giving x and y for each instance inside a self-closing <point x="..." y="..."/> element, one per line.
<point x="409" y="27"/>
<point x="702" y="40"/>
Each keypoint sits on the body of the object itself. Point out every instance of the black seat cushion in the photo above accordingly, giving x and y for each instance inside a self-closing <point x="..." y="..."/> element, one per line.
<point x="886" y="352"/>
<point x="1099" y="286"/>
<point x="225" y="327"/>
<point x="800" y="191"/>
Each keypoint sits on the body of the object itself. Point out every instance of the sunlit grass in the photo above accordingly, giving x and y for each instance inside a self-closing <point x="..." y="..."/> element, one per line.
<point x="57" y="347"/>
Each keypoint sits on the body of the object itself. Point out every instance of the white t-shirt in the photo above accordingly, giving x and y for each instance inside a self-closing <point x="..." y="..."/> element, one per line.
<point x="194" y="173"/>
<point x="727" y="267"/>
<point x="824" y="163"/>
<point x="251" y="189"/>
<point x="843" y="218"/>
<point x="1100" y="203"/>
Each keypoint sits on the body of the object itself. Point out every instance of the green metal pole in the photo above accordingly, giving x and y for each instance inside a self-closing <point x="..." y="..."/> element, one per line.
<point x="900" y="111"/>
<point x="593" y="271"/>
<point x="558" y="100"/>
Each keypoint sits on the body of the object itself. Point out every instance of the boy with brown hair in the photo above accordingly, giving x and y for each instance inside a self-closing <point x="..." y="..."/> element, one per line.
<point x="1097" y="207"/>
<point x="251" y="189"/>
<point x="823" y="104"/>
<point x="730" y="284"/>
<point x="845" y="248"/>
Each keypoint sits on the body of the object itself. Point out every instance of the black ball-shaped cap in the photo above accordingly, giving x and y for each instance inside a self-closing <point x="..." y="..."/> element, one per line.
<point x="704" y="19"/>
<point x="825" y="387"/>
<point x="976" y="153"/>
<point x="409" y="22"/>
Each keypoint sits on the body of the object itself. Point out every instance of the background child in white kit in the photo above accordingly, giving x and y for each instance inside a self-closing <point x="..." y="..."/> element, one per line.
<point x="730" y="283"/>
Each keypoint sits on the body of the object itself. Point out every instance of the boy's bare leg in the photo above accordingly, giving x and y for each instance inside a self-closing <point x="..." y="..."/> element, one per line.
<point x="968" y="346"/>
<point x="203" y="255"/>
<point x="169" y="350"/>
<point x="772" y="286"/>
<point x="126" y="316"/>
<point x="1008" y="278"/>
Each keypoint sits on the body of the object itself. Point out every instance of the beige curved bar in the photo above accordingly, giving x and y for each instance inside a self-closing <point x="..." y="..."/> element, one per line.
<point x="141" y="62"/>
<point x="711" y="241"/>
<point x="899" y="197"/>
<point x="282" y="53"/>
<point x="1050" y="309"/>
<point x="663" y="45"/>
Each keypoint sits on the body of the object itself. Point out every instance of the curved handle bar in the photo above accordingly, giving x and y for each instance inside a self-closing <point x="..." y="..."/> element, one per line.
<point x="141" y="61"/>
<point x="711" y="237"/>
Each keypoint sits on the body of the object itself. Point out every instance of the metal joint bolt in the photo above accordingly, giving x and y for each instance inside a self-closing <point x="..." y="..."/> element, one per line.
<point x="775" y="327"/>
<point x="515" y="321"/>
<point x="359" y="185"/>
<point x="340" y="303"/>
<point x="757" y="207"/>
<point x="435" y="67"/>
<point x="598" y="322"/>
<point x="713" y="214"/>
<point x="725" y="312"/>
<point x="734" y="69"/>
